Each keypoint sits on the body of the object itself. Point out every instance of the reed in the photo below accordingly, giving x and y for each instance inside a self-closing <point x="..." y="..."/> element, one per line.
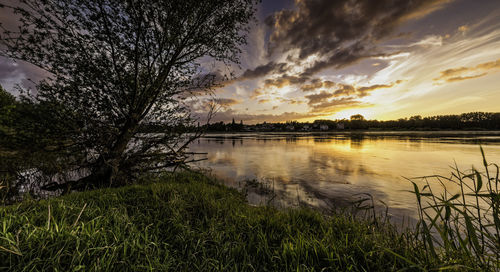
<point x="461" y="228"/>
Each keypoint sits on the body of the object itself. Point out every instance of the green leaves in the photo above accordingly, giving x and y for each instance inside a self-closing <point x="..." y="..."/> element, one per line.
<point x="468" y="223"/>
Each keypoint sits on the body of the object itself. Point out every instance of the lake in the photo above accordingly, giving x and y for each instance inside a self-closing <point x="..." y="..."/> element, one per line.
<point x="326" y="170"/>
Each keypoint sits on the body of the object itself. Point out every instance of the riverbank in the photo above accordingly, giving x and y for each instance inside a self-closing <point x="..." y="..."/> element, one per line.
<point x="188" y="221"/>
<point x="368" y="133"/>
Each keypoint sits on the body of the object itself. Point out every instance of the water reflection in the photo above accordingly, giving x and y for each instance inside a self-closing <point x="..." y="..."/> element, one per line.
<point x="327" y="170"/>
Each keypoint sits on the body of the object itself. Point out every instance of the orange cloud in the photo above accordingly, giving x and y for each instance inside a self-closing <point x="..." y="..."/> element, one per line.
<point x="460" y="78"/>
<point x="464" y="73"/>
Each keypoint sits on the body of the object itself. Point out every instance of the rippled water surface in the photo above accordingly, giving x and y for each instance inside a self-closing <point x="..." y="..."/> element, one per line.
<point x="325" y="170"/>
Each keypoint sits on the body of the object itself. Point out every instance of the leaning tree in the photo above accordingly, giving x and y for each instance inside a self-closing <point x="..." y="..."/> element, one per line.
<point x="114" y="66"/>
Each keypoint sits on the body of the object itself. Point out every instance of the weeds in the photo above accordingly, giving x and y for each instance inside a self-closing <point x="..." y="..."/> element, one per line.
<point x="461" y="227"/>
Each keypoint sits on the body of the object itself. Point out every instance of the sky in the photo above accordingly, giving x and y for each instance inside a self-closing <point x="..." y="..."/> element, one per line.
<point x="324" y="59"/>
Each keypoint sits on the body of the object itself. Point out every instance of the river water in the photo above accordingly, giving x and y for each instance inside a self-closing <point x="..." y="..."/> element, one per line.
<point x="332" y="170"/>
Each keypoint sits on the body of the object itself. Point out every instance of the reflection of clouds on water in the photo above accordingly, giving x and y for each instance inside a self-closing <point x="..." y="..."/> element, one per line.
<point x="327" y="170"/>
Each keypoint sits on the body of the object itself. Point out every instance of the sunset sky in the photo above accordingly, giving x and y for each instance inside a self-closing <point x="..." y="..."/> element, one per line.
<point x="323" y="59"/>
<point x="384" y="59"/>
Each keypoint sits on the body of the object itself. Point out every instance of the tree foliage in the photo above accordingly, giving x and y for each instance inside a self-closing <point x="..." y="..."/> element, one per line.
<point x="115" y="66"/>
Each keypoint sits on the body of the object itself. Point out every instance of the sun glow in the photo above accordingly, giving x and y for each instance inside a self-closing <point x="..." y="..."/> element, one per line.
<point x="368" y="113"/>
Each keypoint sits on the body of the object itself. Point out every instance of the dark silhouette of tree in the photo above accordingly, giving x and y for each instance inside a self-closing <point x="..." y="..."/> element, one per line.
<point x="357" y="117"/>
<point x="357" y="122"/>
<point x="117" y="65"/>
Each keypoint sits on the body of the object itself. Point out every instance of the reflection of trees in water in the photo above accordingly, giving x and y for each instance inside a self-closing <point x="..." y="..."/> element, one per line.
<point x="357" y="141"/>
<point x="322" y="140"/>
<point x="291" y="139"/>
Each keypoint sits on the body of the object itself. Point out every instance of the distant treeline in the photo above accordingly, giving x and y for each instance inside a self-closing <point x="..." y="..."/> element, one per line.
<point x="465" y="121"/>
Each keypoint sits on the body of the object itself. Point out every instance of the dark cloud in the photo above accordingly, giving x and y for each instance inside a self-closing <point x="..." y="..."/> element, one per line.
<point x="344" y="90"/>
<point x="284" y="80"/>
<point x="341" y="32"/>
<point x="319" y="97"/>
<point x="263" y="70"/>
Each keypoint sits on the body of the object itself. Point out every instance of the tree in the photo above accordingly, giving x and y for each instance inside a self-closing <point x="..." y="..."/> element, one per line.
<point x="357" y="122"/>
<point x="115" y="65"/>
<point x="357" y="117"/>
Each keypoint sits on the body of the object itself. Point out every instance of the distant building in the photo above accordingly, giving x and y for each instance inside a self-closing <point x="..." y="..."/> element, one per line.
<point x="306" y="128"/>
<point x="323" y="127"/>
<point x="290" y="127"/>
<point x="340" y="126"/>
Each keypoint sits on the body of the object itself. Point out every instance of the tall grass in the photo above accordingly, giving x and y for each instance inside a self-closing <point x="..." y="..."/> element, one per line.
<point x="187" y="222"/>
<point x="461" y="225"/>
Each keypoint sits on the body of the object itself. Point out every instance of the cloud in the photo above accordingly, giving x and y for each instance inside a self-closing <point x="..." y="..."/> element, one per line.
<point x="489" y="65"/>
<point x="335" y="105"/>
<point x="205" y="105"/>
<point x="317" y="84"/>
<point x="319" y="97"/>
<point x="465" y="73"/>
<point x="460" y="78"/>
<point x="284" y="80"/>
<point x="256" y="93"/>
<point x="343" y="96"/>
<point x="341" y="90"/>
<point x="428" y="41"/>
<point x="262" y="101"/>
<point x="263" y="70"/>
<point x="291" y="101"/>
<point x="227" y="102"/>
<point x="341" y="32"/>
<point x="259" y="118"/>
<point x="364" y="91"/>
<point x="19" y="72"/>
<point x="345" y="90"/>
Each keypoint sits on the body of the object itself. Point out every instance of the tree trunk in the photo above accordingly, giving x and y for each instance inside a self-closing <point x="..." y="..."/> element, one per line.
<point x="108" y="164"/>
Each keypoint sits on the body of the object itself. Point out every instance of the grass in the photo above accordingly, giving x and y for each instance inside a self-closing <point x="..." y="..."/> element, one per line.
<point x="187" y="221"/>
<point x="464" y="224"/>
